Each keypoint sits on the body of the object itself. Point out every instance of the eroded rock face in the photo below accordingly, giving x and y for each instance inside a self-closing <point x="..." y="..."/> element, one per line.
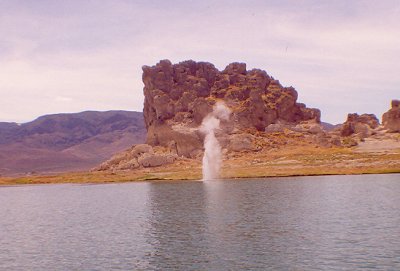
<point x="359" y="124"/>
<point x="138" y="156"/>
<point x="179" y="96"/>
<point x="156" y="160"/>
<point x="242" y="142"/>
<point x="391" y="119"/>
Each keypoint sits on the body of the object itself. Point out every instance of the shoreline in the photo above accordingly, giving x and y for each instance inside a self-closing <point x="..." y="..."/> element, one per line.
<point x="285" y="161"/>
<point x="12" y="183"/>
<point x="127" y="177"/>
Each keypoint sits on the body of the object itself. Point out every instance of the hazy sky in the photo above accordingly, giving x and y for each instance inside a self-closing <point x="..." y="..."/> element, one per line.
<point x="71" y="56"/>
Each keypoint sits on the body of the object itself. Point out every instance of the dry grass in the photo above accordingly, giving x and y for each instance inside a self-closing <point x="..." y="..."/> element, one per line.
<point x="304" y="161"/>
<point x="286" y="161"/>
<point x="181" y="170"/>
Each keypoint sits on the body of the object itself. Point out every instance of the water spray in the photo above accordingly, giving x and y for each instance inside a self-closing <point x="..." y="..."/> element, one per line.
<point x="212" y="158"/>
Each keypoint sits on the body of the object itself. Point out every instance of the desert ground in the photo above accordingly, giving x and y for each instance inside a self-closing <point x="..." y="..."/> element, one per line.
<point x="373" y="156"/>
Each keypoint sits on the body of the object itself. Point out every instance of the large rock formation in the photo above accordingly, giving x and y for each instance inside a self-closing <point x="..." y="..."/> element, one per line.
<point x="359" y="124"/>
<point x="391" y="119"/>
<point x="179" y="96"/>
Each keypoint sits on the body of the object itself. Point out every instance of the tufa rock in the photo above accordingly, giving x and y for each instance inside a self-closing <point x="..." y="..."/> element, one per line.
<point x="359" y="124"/>
<point x="140" y="149"/>
<point x="179" y="96"/>
<point x="275" y="128"/>
<point x="141" y="155"/>
<point x="316" y="129"/>
<point x="242" y="142"/>
<point x="156" y="160"/>
<point x="391" y="119"/>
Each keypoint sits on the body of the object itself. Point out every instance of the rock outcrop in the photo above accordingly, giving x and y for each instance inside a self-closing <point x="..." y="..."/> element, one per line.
<point x="391" y="119"/>
<point x="179" y="96"/>
<point x="359" y="124"/>
<point x="243" y="142"/>
<point x="138" y="156"/>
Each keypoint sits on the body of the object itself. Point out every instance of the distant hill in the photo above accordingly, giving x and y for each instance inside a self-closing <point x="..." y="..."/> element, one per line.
<point x="329" y="127"/>
<point x="67" y="142"/>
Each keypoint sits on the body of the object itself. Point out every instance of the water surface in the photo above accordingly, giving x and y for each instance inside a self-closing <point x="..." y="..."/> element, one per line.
<point x="303" y="223"/>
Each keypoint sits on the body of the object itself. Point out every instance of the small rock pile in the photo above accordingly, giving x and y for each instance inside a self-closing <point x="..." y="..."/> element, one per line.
<point x="138" y="156"/>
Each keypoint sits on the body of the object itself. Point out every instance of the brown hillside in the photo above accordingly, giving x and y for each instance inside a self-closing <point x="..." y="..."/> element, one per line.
<point x="67" y="142"/>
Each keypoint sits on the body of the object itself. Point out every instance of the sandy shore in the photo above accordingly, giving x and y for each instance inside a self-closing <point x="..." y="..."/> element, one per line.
<point x="370" y="157"/>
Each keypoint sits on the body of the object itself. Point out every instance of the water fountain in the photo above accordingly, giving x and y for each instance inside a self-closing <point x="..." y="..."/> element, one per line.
<point x="212" y="149"/>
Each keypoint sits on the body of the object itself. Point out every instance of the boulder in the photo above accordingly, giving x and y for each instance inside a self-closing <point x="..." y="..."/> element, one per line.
<point x="391" y="119"/>
<point x="362" y="130"/>
<point x="315" y="129"/>
<point x="141" y="155"/>
<point x="156" y="160"/>
<point x="140" y="149"/>
<point x="242" y="142"/>
<point x="359" y="124"/>
<point x="275" y="128"/>
<point x="128" y="165"/>
<point x="114" y="162"/>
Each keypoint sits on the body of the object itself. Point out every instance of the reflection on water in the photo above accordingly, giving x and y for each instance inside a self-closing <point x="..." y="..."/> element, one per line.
<point x="175" y="234"/>
<point x="310" y="223"/>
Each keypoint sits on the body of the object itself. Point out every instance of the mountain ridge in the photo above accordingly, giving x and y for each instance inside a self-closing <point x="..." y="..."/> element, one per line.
<point x="67" y="141"/>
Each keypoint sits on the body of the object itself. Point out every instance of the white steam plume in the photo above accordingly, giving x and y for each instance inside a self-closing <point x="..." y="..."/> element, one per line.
<point x="212" y="149"/>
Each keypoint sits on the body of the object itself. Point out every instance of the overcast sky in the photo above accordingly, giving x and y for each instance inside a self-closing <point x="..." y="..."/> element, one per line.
<point x="71" y="56"/>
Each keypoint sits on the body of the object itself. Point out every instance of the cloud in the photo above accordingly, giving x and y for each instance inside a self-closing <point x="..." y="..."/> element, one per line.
<point x="63" y="99"/>
<point x="341" y="56"/>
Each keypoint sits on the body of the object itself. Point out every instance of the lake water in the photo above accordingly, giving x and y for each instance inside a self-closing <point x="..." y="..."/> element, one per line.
<point x="304" y="223"/>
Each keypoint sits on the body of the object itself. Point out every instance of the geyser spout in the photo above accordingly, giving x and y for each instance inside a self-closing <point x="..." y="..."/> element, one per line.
<point x="212" y="158"/>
